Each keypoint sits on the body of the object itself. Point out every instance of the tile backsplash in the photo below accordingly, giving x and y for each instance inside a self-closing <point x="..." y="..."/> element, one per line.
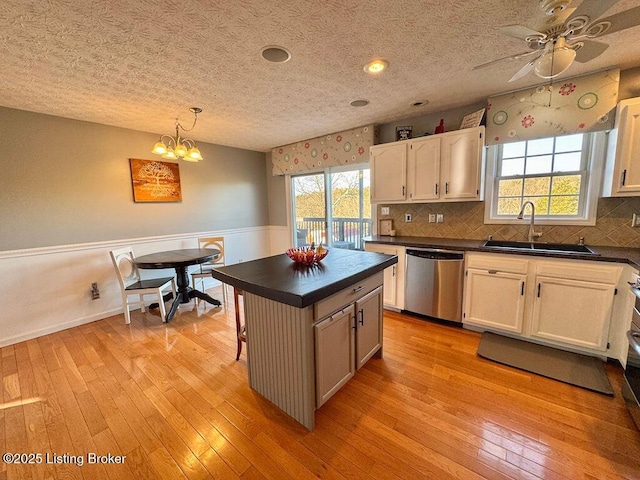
<point x="466" y="220"/>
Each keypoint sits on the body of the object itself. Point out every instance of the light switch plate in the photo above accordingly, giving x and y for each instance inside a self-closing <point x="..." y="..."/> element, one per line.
<point x="407" y="217"/>
<point x="384" y="210"/>
<point x="635" y="221"/>
<point x="432" y="218"/>
<point x="439" y="218"/>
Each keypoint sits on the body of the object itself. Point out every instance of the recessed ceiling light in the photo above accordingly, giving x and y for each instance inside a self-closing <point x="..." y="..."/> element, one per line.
<point x="275" y="54"/>
<point x="359" y="103"/>
<point x="376" y="66"/>
<point x="419" y="103"/>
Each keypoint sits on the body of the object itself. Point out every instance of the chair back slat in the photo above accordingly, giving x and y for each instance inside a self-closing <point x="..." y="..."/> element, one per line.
<point x="214" y="242"/>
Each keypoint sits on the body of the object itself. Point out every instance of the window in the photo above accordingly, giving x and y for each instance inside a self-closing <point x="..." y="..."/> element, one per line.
<point x="332" y="207"/>
<point x="559" y="175"/>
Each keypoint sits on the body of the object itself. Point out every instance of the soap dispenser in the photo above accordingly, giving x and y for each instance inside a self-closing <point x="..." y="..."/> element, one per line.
<point x="440" y="128"/>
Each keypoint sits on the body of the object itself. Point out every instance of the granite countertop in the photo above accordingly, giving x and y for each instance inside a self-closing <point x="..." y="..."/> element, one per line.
<point x="604" y="253"/>
<point x="279" y="278"/>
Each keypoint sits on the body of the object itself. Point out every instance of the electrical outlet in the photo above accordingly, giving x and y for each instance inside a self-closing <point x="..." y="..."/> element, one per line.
<point x="407" y="217"/>
<point x="439" y="218"/>
<point x="432" y="218"/>
<point x="240" y="260"/>
<point x="384" y="210"/>
<point x="635" y="221"/>
<point x="95" y="292"/>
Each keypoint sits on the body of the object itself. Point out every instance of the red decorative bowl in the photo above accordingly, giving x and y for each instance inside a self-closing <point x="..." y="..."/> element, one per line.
<point x="305" y="255"/>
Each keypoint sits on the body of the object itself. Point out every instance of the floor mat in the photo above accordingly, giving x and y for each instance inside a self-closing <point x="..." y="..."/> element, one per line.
<point x="575" y="369"/>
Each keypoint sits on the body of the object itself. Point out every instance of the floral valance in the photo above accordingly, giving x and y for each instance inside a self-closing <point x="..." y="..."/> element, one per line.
<point x="575" y="105"/>
<point x="342" y="148"/>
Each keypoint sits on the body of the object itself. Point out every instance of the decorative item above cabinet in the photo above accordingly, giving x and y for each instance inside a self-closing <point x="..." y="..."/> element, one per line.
<point x="622" y="170"/>
<point x="448" y="167"/>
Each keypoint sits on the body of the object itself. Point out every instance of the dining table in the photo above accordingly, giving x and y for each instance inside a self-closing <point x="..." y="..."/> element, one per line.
<point x="180" y="260"/>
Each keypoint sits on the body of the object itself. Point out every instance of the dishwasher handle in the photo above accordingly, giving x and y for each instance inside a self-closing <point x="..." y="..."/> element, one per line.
<point x="436" y="254"/>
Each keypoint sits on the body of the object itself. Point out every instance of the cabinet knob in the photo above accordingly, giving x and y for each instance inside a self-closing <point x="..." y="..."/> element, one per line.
<point x="361" y="312"/>
<point x="357" y="289"/>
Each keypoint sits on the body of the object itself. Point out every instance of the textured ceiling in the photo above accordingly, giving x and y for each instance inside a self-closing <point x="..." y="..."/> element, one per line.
<point x="140" y="64"/>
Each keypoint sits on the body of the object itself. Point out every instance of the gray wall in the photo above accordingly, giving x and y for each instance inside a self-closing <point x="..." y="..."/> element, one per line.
<point x="276" y="189"/>
<point x="65" y="182"/>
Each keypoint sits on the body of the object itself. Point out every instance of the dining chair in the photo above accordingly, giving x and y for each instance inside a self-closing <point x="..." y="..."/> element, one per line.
<point x="241" y="330"/>
<point x="132" y="285"/>
<point x="204" y="269"/>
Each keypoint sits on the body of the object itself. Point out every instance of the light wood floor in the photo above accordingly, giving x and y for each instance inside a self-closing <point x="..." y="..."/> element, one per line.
<point x="173" y="399"/>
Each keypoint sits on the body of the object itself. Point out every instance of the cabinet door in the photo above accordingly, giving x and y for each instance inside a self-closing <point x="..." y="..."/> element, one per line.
<point x="572" y="312"/>
<point x="335" y="353"/>
<point x="495" y="299"/>
<point x="388" y="172"/>
<point x="368" y="326"/>
<point x="461" y="165"/>
<point x="393" y="280"/>
<point x="627" y="169"/>
<point x="423" y="169"/>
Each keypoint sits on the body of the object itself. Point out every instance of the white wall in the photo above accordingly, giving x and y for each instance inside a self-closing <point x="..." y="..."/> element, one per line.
<point x="49" y="289"/>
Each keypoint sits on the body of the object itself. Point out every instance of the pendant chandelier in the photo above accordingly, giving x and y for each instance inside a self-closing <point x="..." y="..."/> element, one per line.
<point x="180" y="148"/>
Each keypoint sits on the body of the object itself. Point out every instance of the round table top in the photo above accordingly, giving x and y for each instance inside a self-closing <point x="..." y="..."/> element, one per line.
<point x="177" y="258"/>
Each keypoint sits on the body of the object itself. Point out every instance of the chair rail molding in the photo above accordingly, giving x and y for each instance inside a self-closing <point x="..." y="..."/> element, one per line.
<point x="48" y="289"/>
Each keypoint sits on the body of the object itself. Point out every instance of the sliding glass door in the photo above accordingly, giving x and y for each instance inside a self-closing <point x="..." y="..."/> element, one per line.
<point x="332" y="208"/>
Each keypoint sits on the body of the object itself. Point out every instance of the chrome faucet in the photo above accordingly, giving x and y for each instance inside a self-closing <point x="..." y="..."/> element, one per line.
<point x="532" y="233"/>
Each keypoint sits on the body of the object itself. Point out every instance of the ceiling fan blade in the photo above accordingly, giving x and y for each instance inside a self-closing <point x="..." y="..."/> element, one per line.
<point x="517" y="56"/>
<point x="621" y="21"/>
<point x="520" y="31"/>
<point x="589" y="50"/>
<point x="592" y="9"/>
<point x="528" y="68"/>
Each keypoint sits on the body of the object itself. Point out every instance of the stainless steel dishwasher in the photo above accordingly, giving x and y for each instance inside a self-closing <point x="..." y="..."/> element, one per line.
<point x="433" y="283"/>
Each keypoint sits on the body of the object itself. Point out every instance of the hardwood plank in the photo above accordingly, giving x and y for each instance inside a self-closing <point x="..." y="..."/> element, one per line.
<point x="174" y="400"/>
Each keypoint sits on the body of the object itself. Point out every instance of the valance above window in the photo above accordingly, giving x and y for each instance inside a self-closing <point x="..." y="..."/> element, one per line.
<point x="575" y="105"/>
<point x="342" y="148"/>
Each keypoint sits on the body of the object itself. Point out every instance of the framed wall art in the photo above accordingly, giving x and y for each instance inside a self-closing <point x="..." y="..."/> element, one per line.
<point x="155" y="181"/>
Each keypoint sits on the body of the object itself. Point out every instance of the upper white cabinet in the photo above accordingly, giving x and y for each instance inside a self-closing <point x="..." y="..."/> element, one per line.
<point x="444" y="167"/>
<point x="622" y="172"/>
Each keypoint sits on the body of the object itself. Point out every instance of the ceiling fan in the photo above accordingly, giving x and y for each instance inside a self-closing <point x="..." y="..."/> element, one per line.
<point x="565" y="34"/>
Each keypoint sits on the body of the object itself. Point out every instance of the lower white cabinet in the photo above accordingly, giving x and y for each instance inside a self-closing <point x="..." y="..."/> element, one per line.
<point x="346" y="340"/>
<point x="393" y="275"/>
<point x="562" y="302"/>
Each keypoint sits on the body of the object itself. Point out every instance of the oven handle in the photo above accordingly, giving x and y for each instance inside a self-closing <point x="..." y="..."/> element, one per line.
<point x="634" y="340"/>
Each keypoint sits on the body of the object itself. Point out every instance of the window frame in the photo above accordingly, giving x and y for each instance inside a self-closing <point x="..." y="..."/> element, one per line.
<point x="594" y="151"/>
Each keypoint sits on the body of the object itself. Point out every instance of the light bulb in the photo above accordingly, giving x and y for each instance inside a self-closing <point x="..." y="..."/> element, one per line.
<point x="180" y="150"/>
<point x="194" y="154"/>
<point x="170" y="154"/>
<point x="159" y="148"/>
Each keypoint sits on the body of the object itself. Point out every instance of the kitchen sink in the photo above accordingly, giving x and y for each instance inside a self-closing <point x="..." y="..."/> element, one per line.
<point x="563" y="248"/>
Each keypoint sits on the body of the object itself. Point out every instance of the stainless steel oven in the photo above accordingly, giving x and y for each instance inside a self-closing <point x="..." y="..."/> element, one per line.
<point x="631" y="385"/>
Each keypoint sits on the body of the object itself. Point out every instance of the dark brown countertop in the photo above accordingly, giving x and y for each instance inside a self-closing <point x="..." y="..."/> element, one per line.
<point x="279" y="278"/>
<point x="605" y="254"/>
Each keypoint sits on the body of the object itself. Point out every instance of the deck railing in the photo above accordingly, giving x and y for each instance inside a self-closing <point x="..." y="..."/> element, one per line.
<point x="345" y="232"/>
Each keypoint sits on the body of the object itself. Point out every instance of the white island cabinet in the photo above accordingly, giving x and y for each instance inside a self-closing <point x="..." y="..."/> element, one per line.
<point x="566" y="303"/>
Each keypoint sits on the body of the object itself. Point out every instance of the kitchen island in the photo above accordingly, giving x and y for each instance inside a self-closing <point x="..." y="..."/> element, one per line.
<point x="309" y="327"/>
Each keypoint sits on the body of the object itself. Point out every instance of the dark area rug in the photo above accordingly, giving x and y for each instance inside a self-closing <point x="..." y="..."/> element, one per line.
<point x="575" y="369"/>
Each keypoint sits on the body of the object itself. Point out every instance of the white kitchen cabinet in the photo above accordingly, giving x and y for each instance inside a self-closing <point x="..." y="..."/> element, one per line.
<point x="461" y="164"/>
<point x="622" y="171"/>
<point x="572" y="312"/>
<point x="566" y="303"/>
<point x="368" y="329"/>
<point x="393" y="275"/>
<point x="507" y="314"/>
<point x="389" y="172"/>
<point x="347" y="333"/>
<point x="437" y="168"/>
<point x="335" y="353"/>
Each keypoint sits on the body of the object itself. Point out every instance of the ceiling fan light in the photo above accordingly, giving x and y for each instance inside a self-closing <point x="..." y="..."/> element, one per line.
<point x="159" y="148"/>
<point x="553" y="63"/>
